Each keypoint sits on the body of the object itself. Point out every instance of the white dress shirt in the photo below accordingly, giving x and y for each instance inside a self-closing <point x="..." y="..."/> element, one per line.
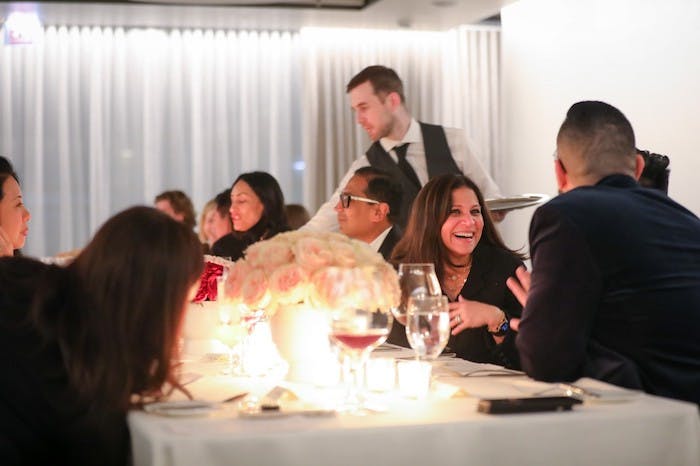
<point x="377" y="242"/>
<point x="326" y="220"/>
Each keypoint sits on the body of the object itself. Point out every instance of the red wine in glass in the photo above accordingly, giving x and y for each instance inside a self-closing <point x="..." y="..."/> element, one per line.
<point x="359" y="341"/>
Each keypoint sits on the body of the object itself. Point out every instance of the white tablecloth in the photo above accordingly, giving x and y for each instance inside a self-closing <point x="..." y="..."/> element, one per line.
<point x="645" y="430"/>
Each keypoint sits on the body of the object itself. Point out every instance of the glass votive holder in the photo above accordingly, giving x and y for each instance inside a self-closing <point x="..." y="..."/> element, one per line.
<point x="380" y="374"/>
<point x="414" y="378"/>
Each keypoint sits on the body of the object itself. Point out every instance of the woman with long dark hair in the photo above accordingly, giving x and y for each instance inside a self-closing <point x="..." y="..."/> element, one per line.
<point x="81" y="345"/>
<point x="449" y="226"/>
<point x="257" y="212"/>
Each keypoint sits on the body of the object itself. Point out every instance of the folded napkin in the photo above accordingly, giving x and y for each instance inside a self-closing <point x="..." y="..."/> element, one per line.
<point x="466" y="368"/>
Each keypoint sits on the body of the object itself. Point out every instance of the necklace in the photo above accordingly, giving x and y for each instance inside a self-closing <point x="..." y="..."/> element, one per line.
<point x="456" y="275"/>
<point x="455" y="279"/>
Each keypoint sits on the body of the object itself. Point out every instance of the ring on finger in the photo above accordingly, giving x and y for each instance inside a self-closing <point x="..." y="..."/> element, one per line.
<point x="458" y="319"/>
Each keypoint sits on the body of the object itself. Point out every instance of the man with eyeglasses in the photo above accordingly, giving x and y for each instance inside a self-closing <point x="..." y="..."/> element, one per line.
<point x="614" y="292"/>
<point x="411" y="152"/>
<point x="367" y="209"/>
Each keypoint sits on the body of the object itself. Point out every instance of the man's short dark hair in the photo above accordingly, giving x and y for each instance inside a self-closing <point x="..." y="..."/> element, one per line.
<point x="223" y="202"/>
<point x="603" y="137"/>
<point x="383" y="80"/>
<point x="381" y="187"/>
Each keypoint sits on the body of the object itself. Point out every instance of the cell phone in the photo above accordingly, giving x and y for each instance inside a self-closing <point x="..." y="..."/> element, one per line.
<point x="527" y="405"/>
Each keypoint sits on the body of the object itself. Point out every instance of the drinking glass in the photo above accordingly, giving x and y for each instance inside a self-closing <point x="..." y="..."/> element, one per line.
<point x="234" y="326"/>
<point x="428" y="325"/>
<point x="356" y="332"/>
<point x="415" y="280"/>
<point x="229" y="332"/>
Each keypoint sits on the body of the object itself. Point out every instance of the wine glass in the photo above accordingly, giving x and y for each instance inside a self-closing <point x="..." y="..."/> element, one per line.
<point x="357" y="332"/>
<point x="415" y="280"/>
<point x="229" y="332"/>
<point x="428" y="325"/>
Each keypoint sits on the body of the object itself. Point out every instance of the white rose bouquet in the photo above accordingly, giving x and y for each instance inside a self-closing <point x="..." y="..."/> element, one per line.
<point x="325" y="270"/>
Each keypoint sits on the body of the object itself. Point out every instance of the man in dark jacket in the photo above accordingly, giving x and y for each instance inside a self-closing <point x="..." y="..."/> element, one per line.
<point x="615" y="287"/>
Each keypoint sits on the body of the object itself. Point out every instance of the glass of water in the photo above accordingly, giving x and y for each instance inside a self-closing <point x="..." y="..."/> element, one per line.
<point x="415" y="280"/>
<point x="428" y="325"/>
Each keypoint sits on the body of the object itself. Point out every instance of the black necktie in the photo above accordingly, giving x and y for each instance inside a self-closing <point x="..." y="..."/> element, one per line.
<point x="404" y="166"/>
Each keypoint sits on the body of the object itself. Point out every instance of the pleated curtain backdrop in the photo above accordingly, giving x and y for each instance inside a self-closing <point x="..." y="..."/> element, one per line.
<point x="98" y="119"/>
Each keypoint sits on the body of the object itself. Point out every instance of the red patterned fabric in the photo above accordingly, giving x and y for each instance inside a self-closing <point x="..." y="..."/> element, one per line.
<point x="207" y="282"/>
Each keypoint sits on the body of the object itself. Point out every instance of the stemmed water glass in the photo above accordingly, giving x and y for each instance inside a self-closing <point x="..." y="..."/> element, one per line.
<point x="428" y="325"/>
<point x="357" y="332"/>
<point x="415" y="280"/>
<point x="229" y="333"/>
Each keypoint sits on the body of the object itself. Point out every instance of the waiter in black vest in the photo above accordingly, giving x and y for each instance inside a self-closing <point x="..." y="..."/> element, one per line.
<point x="411" y="151"/>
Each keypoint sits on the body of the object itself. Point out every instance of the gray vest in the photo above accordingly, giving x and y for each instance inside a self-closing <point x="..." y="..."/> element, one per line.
<point x="437" y="156"/>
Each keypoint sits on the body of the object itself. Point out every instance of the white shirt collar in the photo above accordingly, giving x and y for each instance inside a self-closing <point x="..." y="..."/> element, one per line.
<point x="412" y="135"/>
<point x="377" y="242"/>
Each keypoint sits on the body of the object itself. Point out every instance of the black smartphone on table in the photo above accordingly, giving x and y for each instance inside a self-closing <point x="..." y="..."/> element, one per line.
<point x="527" y="405"/>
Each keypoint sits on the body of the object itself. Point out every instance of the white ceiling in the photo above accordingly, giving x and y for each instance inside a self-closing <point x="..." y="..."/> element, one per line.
<point x="382" y="14"/>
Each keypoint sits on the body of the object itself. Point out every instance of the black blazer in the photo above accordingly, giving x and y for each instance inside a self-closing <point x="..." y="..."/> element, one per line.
<point x="491" y="266"/>
<point x="389" y="242"/>
<point x="615" y="292"/>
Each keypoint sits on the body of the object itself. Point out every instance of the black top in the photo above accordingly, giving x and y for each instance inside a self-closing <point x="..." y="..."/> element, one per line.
<point x="491" y="267"/>
<point x="234" y="244"/>
<point x="41" y="421"/>
<point x="615" y="291"/>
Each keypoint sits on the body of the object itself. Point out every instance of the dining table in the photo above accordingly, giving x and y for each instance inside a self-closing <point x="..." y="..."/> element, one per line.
<point x="229" y="425"/>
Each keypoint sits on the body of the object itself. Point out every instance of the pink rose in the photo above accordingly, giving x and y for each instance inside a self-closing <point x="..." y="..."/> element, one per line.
<point x="365" y="255"/>
<point x="234" y="282"/>
<point x="269" y="254"/>
<point x="384" y="283"/>
<point x="312" y="254"/>
<point x="332" y="287"/>
<point x="288" y="284"/>
<point x="255" y="292"/>
<point x="343" y="253"/>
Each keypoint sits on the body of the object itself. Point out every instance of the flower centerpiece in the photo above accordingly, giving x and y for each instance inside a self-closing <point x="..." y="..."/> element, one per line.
<point x="296" y="279"/>
<point x="322" y="270"/>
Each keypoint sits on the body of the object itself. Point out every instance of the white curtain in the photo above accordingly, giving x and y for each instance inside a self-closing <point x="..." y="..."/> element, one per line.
<point x="98" y="119"/>
<point x="450" y="78"/>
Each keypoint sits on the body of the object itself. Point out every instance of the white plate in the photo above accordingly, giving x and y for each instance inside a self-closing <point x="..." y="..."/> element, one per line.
<point x="182" y="408"/>
<point x="516" y="202"/>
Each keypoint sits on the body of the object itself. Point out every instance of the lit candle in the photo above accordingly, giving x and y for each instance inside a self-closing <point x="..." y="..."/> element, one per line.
<point x="380" y="374"/>
<point x="414" y="378"/>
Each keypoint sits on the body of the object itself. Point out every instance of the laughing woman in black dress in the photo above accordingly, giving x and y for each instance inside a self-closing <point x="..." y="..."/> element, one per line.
<point x="450" y="227"/>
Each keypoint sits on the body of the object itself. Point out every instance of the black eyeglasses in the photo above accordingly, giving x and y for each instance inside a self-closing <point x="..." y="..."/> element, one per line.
<point x="346" y="198"/>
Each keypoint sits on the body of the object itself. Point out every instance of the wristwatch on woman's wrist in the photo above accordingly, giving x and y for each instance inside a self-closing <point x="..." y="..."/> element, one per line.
<point x="502" y="328"/>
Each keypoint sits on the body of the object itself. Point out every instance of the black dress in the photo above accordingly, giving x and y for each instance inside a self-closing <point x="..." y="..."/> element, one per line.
<point x="491" y="266"/>
<point x="234" y="244"/>
<point x="41" y="419"/>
